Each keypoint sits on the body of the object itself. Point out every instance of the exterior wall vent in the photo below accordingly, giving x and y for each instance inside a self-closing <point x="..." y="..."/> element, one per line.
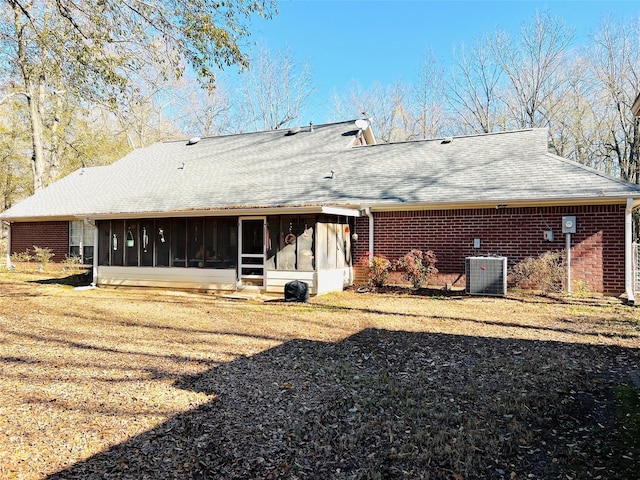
<point x="486" y="276"/>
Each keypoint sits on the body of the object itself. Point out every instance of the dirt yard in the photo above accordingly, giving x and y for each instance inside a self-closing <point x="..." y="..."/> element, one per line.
<point x="146" y="384"/>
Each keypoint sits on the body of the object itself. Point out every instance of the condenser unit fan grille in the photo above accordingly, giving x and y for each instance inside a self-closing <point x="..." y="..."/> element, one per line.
<point x="486" y="275"/>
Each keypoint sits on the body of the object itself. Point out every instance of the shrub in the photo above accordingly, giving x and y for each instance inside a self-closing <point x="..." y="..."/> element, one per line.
<point x="73" y="263"/>
<point x="378" y="268"/>
<point x="545" y="272"/>
<point x="417" y="266"/>
<point x="21" y="257"/>
<point x="42" y="255"/>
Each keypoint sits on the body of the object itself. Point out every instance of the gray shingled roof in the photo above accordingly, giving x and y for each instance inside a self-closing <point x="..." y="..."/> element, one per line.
<point x="273" y="169"/>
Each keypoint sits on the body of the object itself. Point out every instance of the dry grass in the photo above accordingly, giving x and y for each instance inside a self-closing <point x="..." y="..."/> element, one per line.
<point x="146" y="384"/>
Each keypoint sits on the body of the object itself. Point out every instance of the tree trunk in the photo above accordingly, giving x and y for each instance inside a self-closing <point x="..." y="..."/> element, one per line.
<point x="37" y="136"/>
<point x="34" y="94"/>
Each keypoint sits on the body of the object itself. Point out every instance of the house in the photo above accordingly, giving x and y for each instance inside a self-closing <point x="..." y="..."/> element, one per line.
<point x="257" y="210"/>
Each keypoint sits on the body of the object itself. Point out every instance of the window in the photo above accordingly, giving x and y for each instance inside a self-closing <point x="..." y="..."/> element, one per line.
<point x="131" y="243"/>
<point x="179" y="242"/>
<point x="203" y="242"/>
<point x="118" y="243"/>
<point x="162" y="236"/>
<point x="146" y="243"/>
<point x="291" y="243"/>
<point x="220" y="242"/>
<point x="105" y="243"/>
<point x="196" y="254"/>
<point x="81" y="241"/>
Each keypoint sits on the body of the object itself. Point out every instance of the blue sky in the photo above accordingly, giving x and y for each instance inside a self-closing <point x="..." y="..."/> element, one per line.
<point x="385" y="41"/>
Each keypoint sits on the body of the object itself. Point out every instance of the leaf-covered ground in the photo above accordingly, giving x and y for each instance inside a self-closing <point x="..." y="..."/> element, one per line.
<point x="147" y="384"/>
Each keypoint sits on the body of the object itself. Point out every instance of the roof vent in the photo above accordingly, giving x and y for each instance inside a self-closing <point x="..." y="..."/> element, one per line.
<point x="193" y="140"/>
<point x="293" y="131"/>
<point x="447" y="140"/>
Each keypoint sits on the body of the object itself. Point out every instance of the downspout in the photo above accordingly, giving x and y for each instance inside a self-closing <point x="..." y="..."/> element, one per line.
<point x="367" y="212"/>
<point x="8" y="259"/>
<point x="628" y="252"/>
<point x="568" y="260"/>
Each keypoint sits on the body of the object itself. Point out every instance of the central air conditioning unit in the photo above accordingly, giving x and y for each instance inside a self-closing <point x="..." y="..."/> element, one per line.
<point x="486" y="275"/>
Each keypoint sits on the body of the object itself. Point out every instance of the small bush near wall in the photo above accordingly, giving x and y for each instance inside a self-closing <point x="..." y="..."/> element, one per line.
<point x="545" y="272"/>
<point x="377" y="268"/>
<point x="21" y="257"/>
<point x="417" y="266"/>
<point x="39" y="260"/>
<point x="42" y="255"/>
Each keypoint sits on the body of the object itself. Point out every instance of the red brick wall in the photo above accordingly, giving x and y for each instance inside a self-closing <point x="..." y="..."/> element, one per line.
<point x="53" y="235"/>
<point x="597" y="246"/>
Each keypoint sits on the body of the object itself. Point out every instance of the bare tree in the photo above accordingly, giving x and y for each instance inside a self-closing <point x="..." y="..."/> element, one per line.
<point x="275" y="89"/>
<point x="204" y="111"/>
<point x="615" y="60"/>
<point x="532" y="66"/>
<point x="427" y="104"/>
<point x="474" y="88"/>
<point x="574" y="119"/>
<point x="144" y="108"/>
<point x="384" y="105"/>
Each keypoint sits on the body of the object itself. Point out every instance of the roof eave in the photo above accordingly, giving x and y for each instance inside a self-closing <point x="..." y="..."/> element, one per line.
<point x="344" y="210"/>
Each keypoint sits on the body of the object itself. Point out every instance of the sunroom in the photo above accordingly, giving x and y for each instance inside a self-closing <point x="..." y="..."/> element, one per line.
<point x="228" y="253"/>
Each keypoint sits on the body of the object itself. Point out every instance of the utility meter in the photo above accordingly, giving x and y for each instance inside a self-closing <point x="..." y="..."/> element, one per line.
<point x="569" y="224"/>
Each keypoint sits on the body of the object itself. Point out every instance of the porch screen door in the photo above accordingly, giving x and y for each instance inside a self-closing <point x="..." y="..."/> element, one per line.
<point x="252" y="251"/>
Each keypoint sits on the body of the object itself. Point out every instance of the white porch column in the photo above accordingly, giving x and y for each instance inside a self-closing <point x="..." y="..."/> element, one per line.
<point x="628" y="252"/>
<point x="96" y="252"/>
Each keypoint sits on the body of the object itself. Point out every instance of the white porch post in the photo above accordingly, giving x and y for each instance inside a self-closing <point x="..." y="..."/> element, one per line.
<point x="628" y="252"/>
<point x="96" y="238"/>
<point x="96" y="252"/>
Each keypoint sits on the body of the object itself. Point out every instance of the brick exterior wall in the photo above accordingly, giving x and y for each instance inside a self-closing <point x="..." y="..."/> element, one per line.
<point x="53" y="235"/>
<point x="597" y="254"/>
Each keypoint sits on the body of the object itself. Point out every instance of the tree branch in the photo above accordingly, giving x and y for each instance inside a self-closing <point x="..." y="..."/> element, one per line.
<point x="7" y="97"/>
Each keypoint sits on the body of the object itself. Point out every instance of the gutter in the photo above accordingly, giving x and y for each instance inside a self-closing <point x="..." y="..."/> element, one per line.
<point x="500" y="204"/>
<point x="628" y="252"/>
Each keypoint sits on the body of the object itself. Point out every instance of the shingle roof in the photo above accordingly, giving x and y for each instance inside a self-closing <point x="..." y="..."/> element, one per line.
<point x="275" y="169"/>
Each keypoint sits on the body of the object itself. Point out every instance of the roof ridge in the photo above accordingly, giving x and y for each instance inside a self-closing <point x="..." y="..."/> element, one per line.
<point x="257" y="132"/>
<point x="451" y="138"/>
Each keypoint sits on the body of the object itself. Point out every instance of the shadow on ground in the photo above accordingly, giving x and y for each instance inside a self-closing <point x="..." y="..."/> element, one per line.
<point x="81" y="279"/>
<point x="383" y="404"/>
